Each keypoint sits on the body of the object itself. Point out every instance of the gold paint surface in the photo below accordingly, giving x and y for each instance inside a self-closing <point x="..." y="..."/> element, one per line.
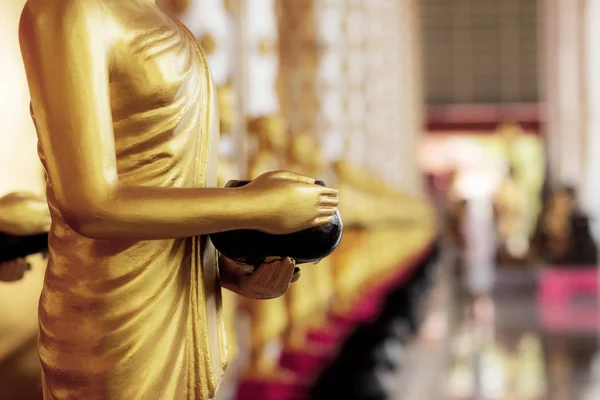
<point x="128" y="319"/>
<point x="124" y="106"/>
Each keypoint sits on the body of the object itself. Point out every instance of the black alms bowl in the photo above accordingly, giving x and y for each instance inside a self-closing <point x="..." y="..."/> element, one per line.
<point x="252" y="247"/>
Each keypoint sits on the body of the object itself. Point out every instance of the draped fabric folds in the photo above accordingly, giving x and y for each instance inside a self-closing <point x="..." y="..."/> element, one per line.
<point x="132" y="319"/>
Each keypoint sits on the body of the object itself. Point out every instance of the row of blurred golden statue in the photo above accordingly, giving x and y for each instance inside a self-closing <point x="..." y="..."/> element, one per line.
<point x="125" y="110"/>
<point x="383" y="226"/>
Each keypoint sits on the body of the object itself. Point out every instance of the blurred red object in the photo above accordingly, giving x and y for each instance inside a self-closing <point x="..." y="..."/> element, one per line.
<point x="568" y="300"/>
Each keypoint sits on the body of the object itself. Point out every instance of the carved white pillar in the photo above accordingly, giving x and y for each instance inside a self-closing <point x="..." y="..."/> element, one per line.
<point x="565" y="89"/>
<point x="572" y="81"/>
<point x="411" y="117"/>
<point x="334" y="122"/>
<point x="357" y="62"/>
<point x="591" y="187"/>
<point x="261" y="38"/>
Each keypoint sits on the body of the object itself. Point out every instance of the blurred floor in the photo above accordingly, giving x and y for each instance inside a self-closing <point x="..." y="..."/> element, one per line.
<point x="497" y="348"/>
<point x="426" y="360"/>
<point x="499" y="352"/>
<point x="511" y="355"/>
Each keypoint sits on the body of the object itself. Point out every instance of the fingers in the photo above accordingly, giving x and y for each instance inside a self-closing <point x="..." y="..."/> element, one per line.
<point x="275" y="272"/>
<point x="272" y="279"/>
<point x="328" y="201"/>
<point x="325" y="191"/>
<point x="265" y="275"/>
<point x="327" y="211"/>
<point x="285" y="272"/>
<point x="320" y="221"/>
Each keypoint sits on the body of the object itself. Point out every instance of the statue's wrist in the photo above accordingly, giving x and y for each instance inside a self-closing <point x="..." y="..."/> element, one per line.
<point x="251" y="210"/>
<point x="237" y="210"/>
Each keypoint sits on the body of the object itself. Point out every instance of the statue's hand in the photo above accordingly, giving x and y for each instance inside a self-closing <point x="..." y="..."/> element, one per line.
<point x="24" y="214"/>
<point x="267" y="281"/>
<point x="13" y="270"/>
<point x="290" y="202"/>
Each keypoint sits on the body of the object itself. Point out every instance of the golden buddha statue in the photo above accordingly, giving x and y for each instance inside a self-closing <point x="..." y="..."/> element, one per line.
<point x="227" y="107"/>
<point x="510" y="203"/>
<point x="270" y="135"/>
<point x="21" y="214"/>
<point x="269" y="319"/>
<point x="369" y="192"/>
<point x="305" y="312"/>
<point x="364" y="256"/>
<point x="124" y="106"/>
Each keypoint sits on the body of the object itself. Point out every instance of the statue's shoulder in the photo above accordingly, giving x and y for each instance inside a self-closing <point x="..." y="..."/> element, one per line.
<point x="58" y="16"/>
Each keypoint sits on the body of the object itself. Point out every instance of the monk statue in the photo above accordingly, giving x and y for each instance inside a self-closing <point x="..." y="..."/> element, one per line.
<point x="307" y="312"/>
<point x="269" y="133"/>
<point x="364" y="256"/>
<point x="125" y="110"/>
<point x="227" y="107"/>
<point x="512" y="220"/>
<point x="22" y="215"/>
<point x="269" y="319"/>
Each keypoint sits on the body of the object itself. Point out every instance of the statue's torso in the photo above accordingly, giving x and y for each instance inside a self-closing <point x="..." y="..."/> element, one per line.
<point x="140" y="319"/>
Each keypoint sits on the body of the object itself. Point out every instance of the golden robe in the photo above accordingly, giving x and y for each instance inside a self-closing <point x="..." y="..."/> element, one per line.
<point x="133" y="319"/>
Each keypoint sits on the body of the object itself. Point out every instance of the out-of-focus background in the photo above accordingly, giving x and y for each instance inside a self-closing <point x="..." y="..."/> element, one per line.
<point x="464" y="136"/>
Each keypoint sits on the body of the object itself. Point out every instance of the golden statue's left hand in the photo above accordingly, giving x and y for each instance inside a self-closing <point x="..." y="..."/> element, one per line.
<point x="267" y="281"/>
<point x="24" y="214"/>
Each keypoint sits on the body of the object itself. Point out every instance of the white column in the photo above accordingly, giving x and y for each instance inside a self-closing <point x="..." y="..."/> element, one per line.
<point x="572" y="80"/>
<point x="591" y="191"/>
<point x="413" y="112"/>
<point x="365" y="82"/>
<point x="565" y="91"/>
<point x="334" y="123"/>
<point x="261" y="38"/>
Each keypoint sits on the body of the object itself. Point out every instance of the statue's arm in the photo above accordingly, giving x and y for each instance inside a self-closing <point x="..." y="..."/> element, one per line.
<point x="66" y="46"/>
<point x="65" y="51"/>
